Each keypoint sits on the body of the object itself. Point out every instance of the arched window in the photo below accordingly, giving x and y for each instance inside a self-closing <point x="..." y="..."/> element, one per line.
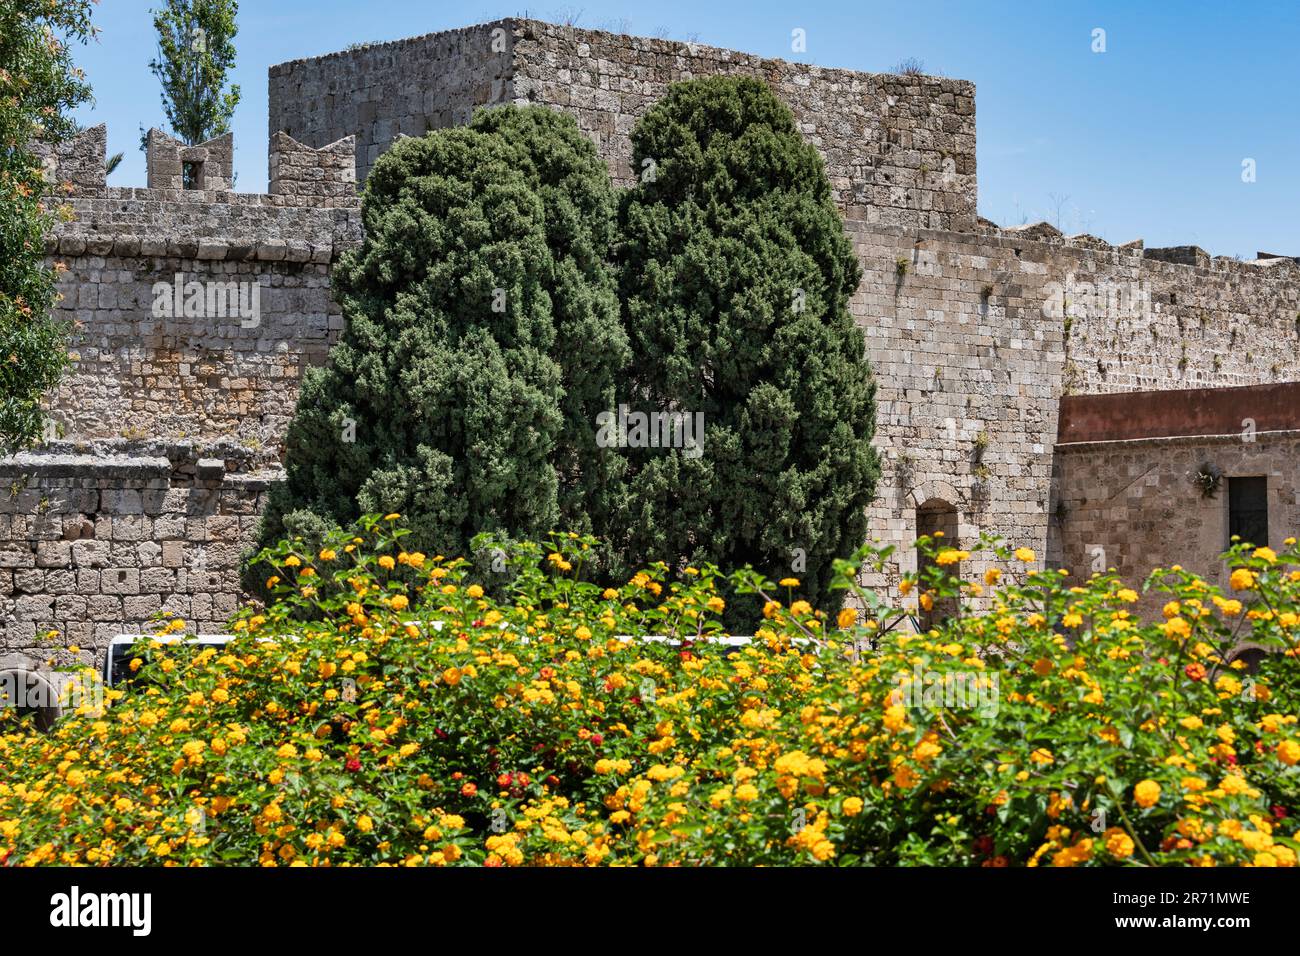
<point x="934" y="516"/>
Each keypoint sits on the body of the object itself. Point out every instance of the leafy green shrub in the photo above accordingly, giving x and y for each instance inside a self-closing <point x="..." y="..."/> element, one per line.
<point x="39" y="87"/>
<point x="417" y="721"/>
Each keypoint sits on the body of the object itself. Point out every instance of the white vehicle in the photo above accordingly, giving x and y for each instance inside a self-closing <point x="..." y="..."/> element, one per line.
<point x="117" y="657"/>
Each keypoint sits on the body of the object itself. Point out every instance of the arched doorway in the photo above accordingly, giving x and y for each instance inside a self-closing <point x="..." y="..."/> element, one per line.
<point x="936" y="516"/>
<point x="29" y="694"/>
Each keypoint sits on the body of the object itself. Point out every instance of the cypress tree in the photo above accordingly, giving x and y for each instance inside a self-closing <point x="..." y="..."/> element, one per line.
<point x="482" y="324"/>
<point x="735" y="275"/>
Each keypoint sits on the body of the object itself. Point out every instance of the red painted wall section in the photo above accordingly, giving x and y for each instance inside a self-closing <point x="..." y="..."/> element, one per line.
<point x="1198" y="411"/>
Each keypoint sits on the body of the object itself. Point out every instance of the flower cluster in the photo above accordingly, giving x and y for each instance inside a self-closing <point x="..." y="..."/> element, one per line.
<point x="391" y="707"/>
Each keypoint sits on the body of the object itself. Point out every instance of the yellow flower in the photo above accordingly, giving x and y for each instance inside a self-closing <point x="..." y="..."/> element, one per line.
<point x="328" y="554"/>
<point x="895" y="717"/>
<point x="387" y="563"/>
<point x="789" y="582"/>
<point x="1288" y="751"/>
<point x="399" y="602"/>
<point x="1118" y="843"/>
<point x="365" y="824"/>
<point x="823" y="850"/>
<point x="847" y="618"/>
<point x="1146" y="793"/>
<point x="992" y="576"/>
<point x="852" y="806"/>
<point x="474" y="591"/>
<point x="1268" y="554"/>
<point x="1242" y="580"/>
<point x="1026" y="555"/>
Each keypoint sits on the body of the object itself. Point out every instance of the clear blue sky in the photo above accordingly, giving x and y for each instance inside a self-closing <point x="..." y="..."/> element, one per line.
<point x="1145" y="140"/>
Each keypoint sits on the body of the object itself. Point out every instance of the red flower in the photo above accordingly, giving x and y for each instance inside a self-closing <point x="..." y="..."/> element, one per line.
<point x="547" y="673"/>
<point x="597" y="739"/>
<point x="984" y="845"/>
<point x="468" y="790"/>
<point x="552" y="781"/>
<point x="1279" y="812"/>
<point x="353" y="765"/>
<point x="503" y="780"/>
<point x="1195" y="670"/>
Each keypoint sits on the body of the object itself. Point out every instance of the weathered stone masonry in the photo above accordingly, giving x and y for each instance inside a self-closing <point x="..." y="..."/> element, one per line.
<point x="899" y="150"/>
<point x="166" y="432"/>
<point x="170" y="428"/>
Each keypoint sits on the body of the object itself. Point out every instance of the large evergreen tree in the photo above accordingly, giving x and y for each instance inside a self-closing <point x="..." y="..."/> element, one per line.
<point x="482" y="338"/>
<point x="736" y="276"/>
<point x="591" y="346"/>
<point x="39" y="86"/>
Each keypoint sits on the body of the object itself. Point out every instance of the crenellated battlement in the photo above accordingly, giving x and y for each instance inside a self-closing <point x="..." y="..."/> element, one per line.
<point x="252" y="270"/>
<point x="298" y="175"/>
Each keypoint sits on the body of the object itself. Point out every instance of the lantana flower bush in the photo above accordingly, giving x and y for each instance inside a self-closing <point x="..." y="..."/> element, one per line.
<point x="396" y="708"/>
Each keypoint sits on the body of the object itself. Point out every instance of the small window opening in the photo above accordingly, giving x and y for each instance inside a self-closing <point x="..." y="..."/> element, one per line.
<point x="1248" y="510"/>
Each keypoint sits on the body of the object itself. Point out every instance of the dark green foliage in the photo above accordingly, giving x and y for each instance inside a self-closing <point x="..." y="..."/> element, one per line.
<point x="736" y="275"/>
<point x="590" y="345"/>
<point x="482" y="338"/>
<point x="39" y="87"/>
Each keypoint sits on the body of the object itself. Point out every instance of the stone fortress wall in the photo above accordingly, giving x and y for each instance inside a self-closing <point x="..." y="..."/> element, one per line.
<point x="899" y="150"/>
<point x="165" y="433"/>
<point x="169" y="428"/>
